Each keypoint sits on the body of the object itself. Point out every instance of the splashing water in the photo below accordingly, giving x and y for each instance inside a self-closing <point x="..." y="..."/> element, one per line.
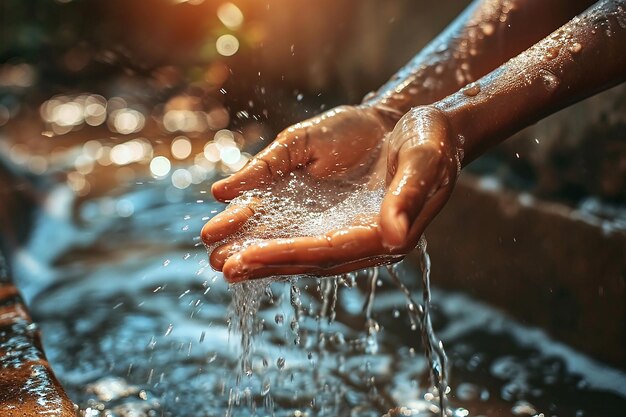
<point x="498" y="366"/>
<point x="302" y="206"/>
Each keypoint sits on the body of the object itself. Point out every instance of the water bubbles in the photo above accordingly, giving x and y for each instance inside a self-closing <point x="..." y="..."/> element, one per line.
<point x="169" y="329"/>
<point x="279" y="319"/>
<point x="280" y="362"/>
<point x="166" y="262"/>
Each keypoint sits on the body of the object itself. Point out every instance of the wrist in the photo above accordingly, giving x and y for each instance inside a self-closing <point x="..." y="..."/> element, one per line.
<point x="464" y="123"/>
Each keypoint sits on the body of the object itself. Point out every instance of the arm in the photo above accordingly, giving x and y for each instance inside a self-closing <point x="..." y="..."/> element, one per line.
<point x="424" y="150"/>
<point x="581" y="58"/>
<point x="485" y="35"/>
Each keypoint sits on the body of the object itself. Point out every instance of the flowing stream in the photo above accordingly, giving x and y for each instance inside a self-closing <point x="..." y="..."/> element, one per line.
<point x="135" y="323"/>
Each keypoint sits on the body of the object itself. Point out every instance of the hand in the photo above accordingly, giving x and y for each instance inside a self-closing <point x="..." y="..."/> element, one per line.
<point x="420" y="165"/>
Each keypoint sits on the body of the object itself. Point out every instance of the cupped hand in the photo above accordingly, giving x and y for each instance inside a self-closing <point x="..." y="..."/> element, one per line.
<point x="419" y="162"/>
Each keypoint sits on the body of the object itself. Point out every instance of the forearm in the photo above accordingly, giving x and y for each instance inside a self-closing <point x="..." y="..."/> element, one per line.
<point x="485" y="35"/>
<point x="581" y="58"/>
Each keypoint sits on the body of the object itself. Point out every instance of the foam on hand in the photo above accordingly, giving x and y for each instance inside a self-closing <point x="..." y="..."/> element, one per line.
<point x="299" y="205"/>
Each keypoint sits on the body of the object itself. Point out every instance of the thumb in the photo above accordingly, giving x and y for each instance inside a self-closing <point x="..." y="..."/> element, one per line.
<point x="413" y="183"/>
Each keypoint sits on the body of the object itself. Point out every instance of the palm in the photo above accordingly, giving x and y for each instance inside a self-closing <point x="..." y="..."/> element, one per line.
<point x="341" y="144"/>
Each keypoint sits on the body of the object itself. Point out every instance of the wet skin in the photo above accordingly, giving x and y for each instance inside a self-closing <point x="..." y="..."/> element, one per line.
<point x="428" y="144"/>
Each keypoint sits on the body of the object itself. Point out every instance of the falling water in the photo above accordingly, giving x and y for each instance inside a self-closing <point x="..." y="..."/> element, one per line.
<point x="246" y="301"/>
<point x="420" y="316"/>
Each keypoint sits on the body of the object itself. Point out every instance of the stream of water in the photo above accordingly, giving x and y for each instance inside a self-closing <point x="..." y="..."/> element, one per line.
<point x="135" y="323"/>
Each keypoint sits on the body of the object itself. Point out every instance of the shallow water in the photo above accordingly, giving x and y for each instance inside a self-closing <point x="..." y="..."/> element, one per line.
<point x="136" y="324"/>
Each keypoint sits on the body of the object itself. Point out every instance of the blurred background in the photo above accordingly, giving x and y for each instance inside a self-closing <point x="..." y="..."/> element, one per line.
<point x="127" y="78"/>
<point x="116" y="116"/>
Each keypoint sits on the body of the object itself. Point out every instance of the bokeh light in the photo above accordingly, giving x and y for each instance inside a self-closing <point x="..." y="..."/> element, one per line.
<point x="181" y="147"/>
<point x="227" y="45"/>
<point x="160" y="166"/>
<point x="181" y="178"/>
<point x="230" y="15"/>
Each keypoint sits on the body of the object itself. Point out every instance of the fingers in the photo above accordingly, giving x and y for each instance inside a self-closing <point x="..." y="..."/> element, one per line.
<point x="415" y="179"/>
<point x="313" y="270"/>
<point x="227" y="222"/>
<point x="218" y="256"/>
<point x="430" y="210"/>
<point x="338" y="251"/>
<point x="283" y="155"/>
<point x="419" y="164"/>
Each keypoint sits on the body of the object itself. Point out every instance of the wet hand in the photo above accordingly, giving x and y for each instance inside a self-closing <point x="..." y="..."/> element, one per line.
<point x="336" y="143"/>
<point x="420" y="165"/>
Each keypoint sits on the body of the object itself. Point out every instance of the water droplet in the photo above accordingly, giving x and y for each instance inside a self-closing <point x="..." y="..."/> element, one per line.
<point x="266" y="387"/>
<point x="279" y="319"/>
<point x="575" y="48"/>
<point x="280" y="362"/>
<point x="488" y="28"/>
<point x="550" y="81"/>
<point x="552" y="53"/>
<point x="169" y="329"/>
<point x="471" y="90"/>
<point x="166" y="262"/>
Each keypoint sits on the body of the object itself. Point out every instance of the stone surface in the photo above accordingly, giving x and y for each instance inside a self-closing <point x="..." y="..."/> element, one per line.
<point x="28" y="386"/>
<point x="545" y="263"/>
